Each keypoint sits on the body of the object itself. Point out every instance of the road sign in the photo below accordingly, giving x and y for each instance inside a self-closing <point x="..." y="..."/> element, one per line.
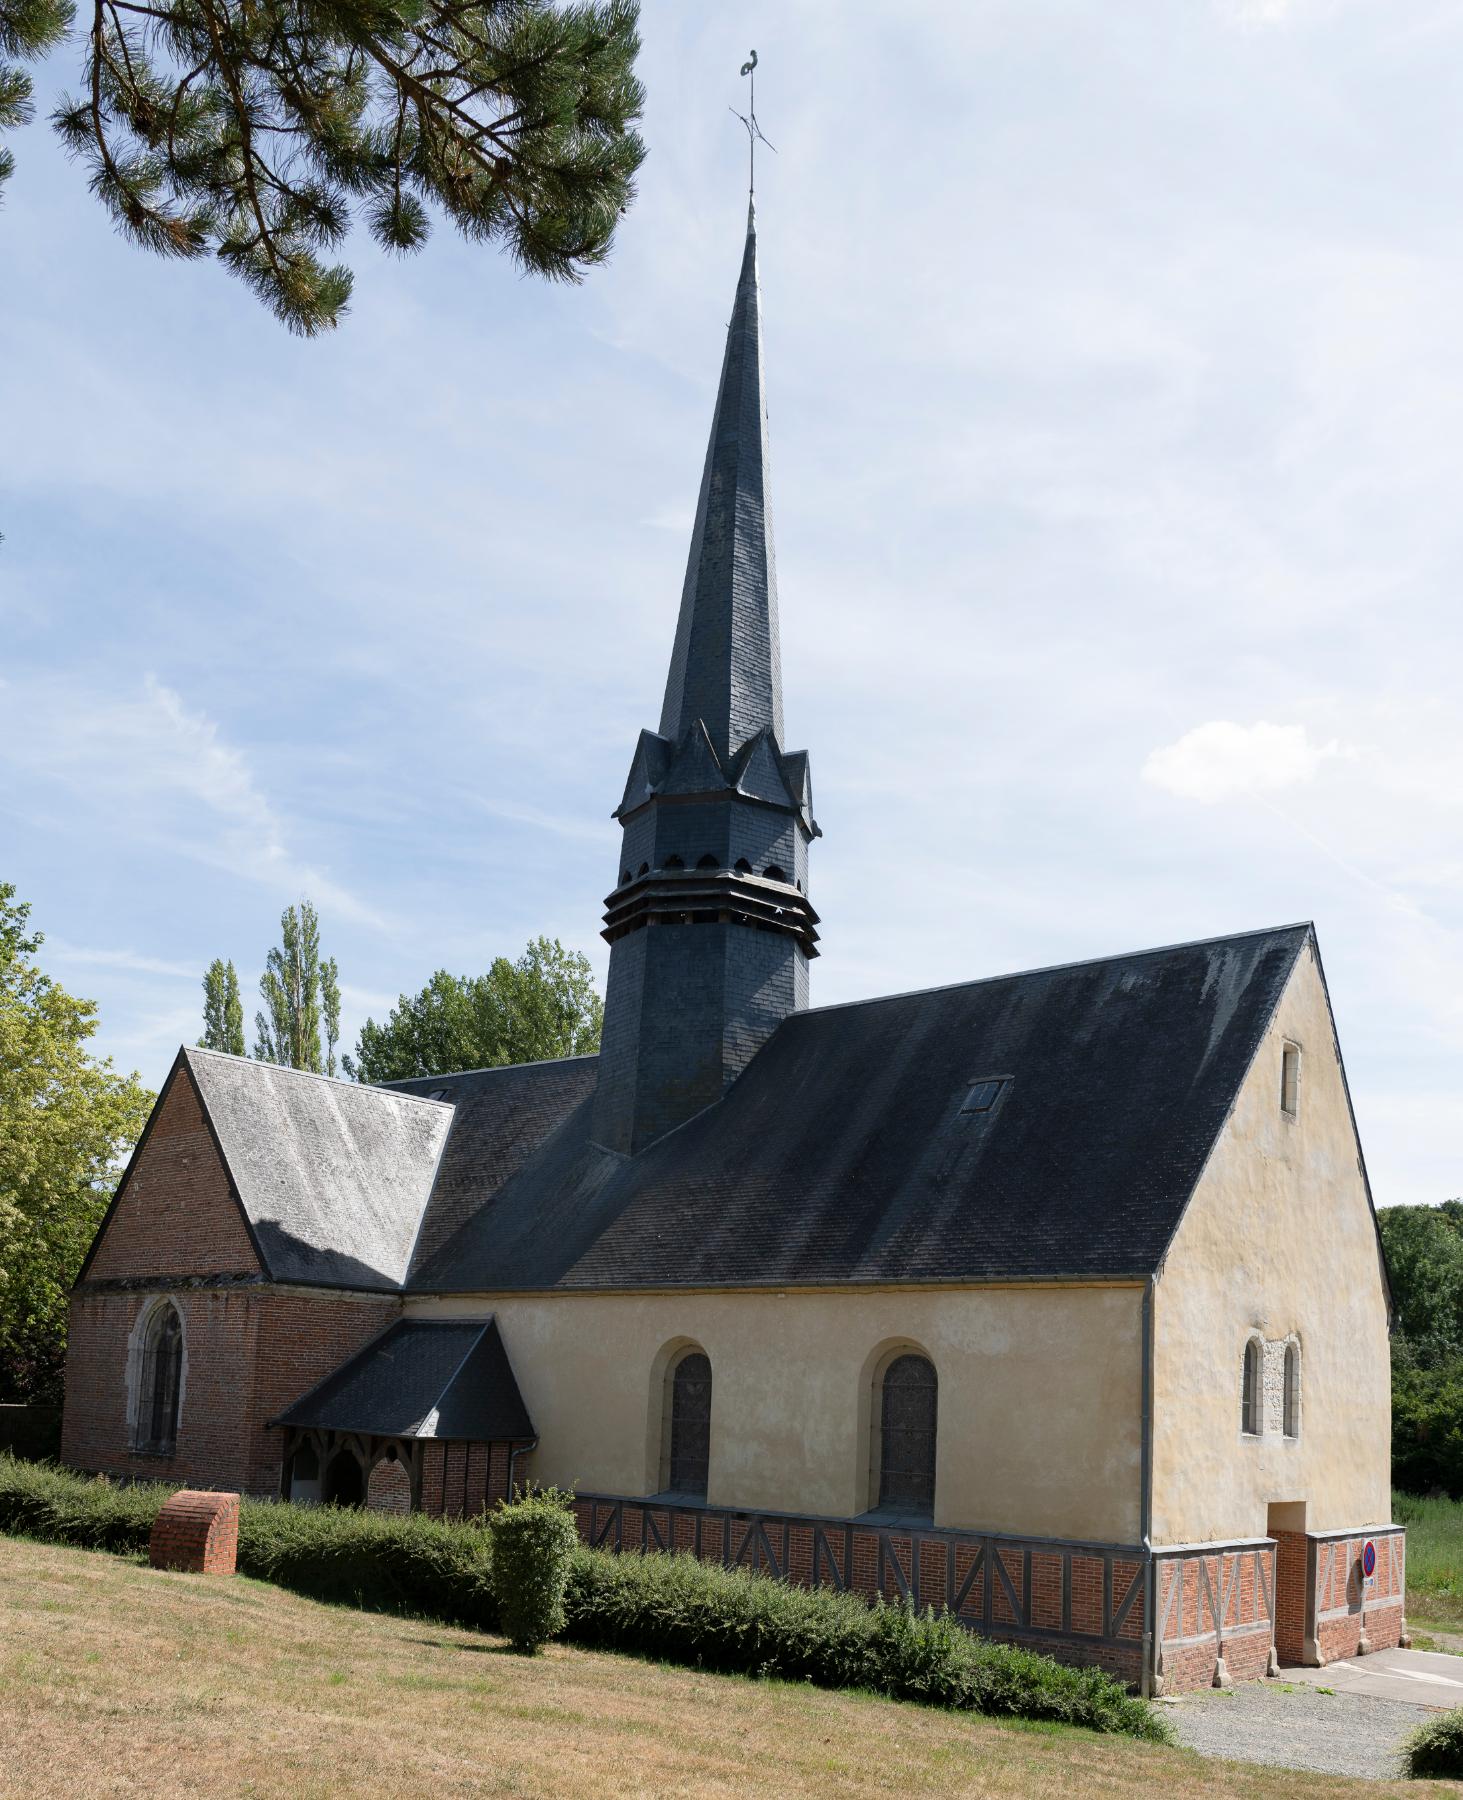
<point x="1369" y="1562"/>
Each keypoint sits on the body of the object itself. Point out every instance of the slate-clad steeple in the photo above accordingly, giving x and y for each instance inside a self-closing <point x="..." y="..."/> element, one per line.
<point x="710" y="927"/>
<point x="726" y="668"/>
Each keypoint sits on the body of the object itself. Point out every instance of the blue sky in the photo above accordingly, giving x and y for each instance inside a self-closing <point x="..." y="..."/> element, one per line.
<point x="1116" y="393"/>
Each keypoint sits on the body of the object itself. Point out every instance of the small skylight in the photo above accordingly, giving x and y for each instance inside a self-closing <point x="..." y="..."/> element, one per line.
<point x="984" y="1093"/>
<point x="437" y="1094"/>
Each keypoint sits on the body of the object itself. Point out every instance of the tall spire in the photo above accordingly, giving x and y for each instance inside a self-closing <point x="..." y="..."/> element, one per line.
<point x="709" y="925"/>
<point x="726" y="667"/>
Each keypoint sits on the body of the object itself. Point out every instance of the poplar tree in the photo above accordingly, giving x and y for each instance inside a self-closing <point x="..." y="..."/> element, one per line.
<point x="223" y="1011"/>
<point x="261" y="131"/>
<point x="300" y="995"/>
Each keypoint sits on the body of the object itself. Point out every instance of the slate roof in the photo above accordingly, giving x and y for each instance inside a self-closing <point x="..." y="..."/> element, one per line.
<point x="842" y="1154"/>
<point x="422" y="1378"/>
<point x="333" y="1177"/>
<point x="725" y="667"/>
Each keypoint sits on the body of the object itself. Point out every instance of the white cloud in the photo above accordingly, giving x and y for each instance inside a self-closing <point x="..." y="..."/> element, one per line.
<point x="1221" y="760"/>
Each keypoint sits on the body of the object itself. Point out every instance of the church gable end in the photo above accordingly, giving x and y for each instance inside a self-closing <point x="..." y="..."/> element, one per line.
<point x="176" y="1212"/>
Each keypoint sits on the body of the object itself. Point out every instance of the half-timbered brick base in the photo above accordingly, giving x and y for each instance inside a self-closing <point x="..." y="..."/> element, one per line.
<point x="1082" y="1603"/>
<point x="1344" y="1609"/>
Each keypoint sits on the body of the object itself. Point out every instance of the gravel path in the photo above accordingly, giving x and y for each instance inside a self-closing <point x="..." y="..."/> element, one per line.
<point x="1298" y="1728"/>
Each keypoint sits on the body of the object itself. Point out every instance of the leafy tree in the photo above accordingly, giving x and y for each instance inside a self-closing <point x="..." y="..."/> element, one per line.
<point x="301" y="994"/>
<point x="1424" y="1249"/>
<point x="67" y="1122"/>
<point x="223" y="1011"/>
<point x="541" y="1006"/>
<point x="261" y="130"/>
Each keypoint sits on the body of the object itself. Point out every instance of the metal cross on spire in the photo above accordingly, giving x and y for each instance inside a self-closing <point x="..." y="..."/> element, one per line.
<point x="749" y="119"/>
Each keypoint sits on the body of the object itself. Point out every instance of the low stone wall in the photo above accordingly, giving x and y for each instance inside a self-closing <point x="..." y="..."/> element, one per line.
<point x="1082" y="1603"/>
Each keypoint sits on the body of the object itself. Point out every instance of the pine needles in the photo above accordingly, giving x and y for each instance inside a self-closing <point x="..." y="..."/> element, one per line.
<point x="258" y="131"/>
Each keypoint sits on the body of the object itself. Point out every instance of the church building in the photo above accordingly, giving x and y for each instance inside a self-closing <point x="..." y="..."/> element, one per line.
<point x="1053" y="1298"/>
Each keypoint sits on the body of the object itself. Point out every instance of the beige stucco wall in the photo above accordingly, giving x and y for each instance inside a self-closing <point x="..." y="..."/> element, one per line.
<point x="1039" y="1398"/>
<point x="1278" y="1241"/>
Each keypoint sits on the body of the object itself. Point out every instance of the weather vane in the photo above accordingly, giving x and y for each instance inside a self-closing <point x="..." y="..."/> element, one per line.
<point x="749" y="119"/>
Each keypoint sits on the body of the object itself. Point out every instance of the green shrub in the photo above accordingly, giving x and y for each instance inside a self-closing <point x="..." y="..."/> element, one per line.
<point x="680" y="1610"/>
<point x="438" y="1569"/>
<point x="672" y="1608"/>
<point x="533" y="1541"/>
<point x="39" y="1500"/>
<point x="1436" y="1749"/>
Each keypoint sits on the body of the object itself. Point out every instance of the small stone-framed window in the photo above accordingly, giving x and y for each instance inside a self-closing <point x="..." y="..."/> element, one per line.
<point x="1291" y="1404"/>
<point x="1290" y="1080"/>
<point x="1251" y="1392"/>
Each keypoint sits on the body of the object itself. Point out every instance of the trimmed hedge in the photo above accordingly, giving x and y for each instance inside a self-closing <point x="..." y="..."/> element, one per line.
<point x="672" y="1608"/>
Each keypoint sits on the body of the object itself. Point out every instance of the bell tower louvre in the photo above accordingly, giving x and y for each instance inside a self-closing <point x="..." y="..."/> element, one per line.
<point x="709" y="924"/>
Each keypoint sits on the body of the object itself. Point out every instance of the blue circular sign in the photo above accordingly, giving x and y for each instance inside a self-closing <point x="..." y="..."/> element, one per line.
<point x="1369" y="1559"/>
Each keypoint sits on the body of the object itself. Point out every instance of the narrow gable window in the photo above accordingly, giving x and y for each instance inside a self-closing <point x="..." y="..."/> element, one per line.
<point x="1250" y="1390"/>
<point x="1292" y="1390"/>
<point x="1290" y="1080"/>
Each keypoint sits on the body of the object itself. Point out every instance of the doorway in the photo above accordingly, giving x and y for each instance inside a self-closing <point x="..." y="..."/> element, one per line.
<point x="1286" y="1523"/>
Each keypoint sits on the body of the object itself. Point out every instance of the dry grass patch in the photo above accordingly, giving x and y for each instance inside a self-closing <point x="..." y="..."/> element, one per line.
<point x="115" y="1679"/>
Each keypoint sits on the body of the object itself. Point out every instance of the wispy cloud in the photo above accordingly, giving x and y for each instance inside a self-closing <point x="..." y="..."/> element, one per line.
<point x="1222" y="760"/>
<point x="125" y="961"/>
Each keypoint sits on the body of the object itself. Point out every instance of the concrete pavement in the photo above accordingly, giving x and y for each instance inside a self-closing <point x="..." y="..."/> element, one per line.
<point x="1423" y="1677"/>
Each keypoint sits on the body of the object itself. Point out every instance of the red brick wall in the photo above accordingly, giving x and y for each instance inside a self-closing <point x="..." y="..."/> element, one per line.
<point x="198" y="1531"/>
<point x="1343" y="1603"/>
<point x="1291" y="1593"/>
<point x="460" y="1480"/>
<point x="1211" y="1604"/>
<point x="248" y="1352"/>
<point x="176" y="1214"/>
<point x="389" y="1488"/>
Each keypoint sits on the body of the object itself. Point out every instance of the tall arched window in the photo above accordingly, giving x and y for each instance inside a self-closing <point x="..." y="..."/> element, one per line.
<point x="689" y="1436"/>
<point x="908" y="1404"/>
<point x="1292" y="1390"/>
<point x="162" y="1382"/>
<point x="1250" y="1390"/>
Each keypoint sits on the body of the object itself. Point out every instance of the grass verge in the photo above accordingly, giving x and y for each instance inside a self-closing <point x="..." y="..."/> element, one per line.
<point x="116" y="1679"/>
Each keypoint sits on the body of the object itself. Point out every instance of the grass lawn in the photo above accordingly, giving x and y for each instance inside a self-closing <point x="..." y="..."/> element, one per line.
<point x="1434" y="1569"/>
<point x="118" y="1680"/>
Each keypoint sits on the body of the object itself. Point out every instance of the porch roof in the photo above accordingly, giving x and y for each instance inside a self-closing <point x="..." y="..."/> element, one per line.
<point x="422" y="1379"/>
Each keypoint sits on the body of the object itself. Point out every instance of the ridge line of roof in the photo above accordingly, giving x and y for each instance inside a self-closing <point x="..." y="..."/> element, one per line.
<point x="366" y="1087"/>
<point x="1082" y="962"/>
<point x="542" y="1062"/>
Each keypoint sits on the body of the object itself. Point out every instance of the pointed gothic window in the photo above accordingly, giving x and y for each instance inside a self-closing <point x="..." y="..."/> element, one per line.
<point x="690" y="1424"/>
<point x="742" y="866"/>
<point x="708" y="862"/>
<point x="908" y="1407"/>
<point x="162" y="1381"/>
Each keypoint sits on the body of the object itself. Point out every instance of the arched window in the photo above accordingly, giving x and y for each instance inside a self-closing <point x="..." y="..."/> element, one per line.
<point x="908" y="1404"/>
<point x="644" y="868"/>
<point x="708" y="862"/>
<point x="689" y="1436"/>
<point x="1292" y="1390"/>
<point x="624" y="878"/>
<point x="674" y="862"/>
<point x="742" y="866"/>
<point x="162" y="1382"/>
<point x="1250" y="1390"/>
<point x="774" y="873"/>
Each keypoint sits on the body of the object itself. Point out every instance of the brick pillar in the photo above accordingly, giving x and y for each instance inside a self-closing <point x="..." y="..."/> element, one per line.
<point x="1292" y="1595"/>
<point x="196" y="1530"/>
